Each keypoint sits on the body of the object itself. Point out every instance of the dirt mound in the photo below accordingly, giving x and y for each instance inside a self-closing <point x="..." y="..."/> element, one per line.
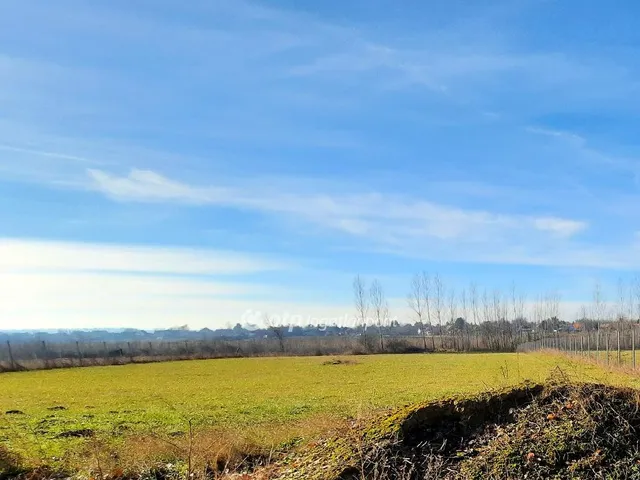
<point x="533" y="431"/>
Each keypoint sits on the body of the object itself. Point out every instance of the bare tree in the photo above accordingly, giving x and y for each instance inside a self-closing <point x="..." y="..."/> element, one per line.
<point x="504" y="311"/>
<point x="385" y="322"/>
<point x="427" y="303"/>
<point x="514" y="301"/>
<point x="584" y="314"/>
<point x="438" y="299"/>
<point x="522" y="301"/>
<point x="418" y="301"/>
<point x="453" y="306"/>
<point x="517" y="309"/>
<point x="380" y="309"/>
<point x="636" y="298"/>
<point x="550" y="312"/>
<point x="621" y="306"/>
<point x="630" y="300"/>
<point x="277" y="330"/>
<point x="599" y="304"/>
<point x="538" y="311"/>
<point x="486" y="307"/>
<point x="497" y="305"/>
<point x="361" y="302"/>
<point x="473" y="293"/>
<point x="464" y="305"/>
<point x="552" y="305"/>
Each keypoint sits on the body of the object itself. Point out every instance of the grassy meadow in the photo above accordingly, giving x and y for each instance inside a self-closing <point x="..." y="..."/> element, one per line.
<point x="133" y="415"/>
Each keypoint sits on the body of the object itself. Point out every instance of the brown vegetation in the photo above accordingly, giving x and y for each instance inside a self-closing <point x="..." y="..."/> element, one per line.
<point x="31" y="357"/>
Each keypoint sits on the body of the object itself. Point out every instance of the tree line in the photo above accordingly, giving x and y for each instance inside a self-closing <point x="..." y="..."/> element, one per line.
<point x="504" y="318"/>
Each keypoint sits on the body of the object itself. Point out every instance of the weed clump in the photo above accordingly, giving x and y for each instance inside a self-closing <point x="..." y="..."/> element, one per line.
<point x="10" y="464"/>
<point x="559" y="431"/>
<point x="570" y="431"/>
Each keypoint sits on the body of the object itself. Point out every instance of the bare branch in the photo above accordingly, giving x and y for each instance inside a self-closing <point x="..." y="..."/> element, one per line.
<point x="361" y="302"/>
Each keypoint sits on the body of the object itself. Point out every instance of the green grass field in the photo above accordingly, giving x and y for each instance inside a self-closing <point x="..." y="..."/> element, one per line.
<point x="267" y="399"/>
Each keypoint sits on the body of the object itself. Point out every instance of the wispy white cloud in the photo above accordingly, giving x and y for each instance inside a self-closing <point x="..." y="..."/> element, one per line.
<point x="75" y="286"/>
<point x="43" y="153"/>
<point x="573" y="138"/>
<point x="145" y="185"/>
<point x="559" y="226"/>
<point x="17" y="255"/>
<point x="585" y="152"/>
<point x="381" y="219"/>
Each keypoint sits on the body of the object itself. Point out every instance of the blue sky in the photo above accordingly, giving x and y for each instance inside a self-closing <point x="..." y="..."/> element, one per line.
<point x="166" y="162"/>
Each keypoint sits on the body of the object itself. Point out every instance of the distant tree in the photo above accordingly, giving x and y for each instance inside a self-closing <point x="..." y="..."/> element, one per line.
<point x="438" y="298"/>
<point x="464" y="304"/>
<point x="277" y="330"/>
<point x="636" y="298"/>
<point x="473" y="294"/>
<point x="621" y="307"/>
<point x="552" y="324"/>
<point x="418" y="301"/>
<point x="380" y="309"/>
<point x="599" y="306"/>
<point x="459" y="325"/>
<point x="361" y="301"/>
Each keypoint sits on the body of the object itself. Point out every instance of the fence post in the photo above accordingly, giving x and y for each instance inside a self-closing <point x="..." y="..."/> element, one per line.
<point x="598" y="344"/>
<point x="607" y="342"/>
<point x="619" y="352"/>
<point x="588" y="344"/>
<point x="582" y="345"/>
